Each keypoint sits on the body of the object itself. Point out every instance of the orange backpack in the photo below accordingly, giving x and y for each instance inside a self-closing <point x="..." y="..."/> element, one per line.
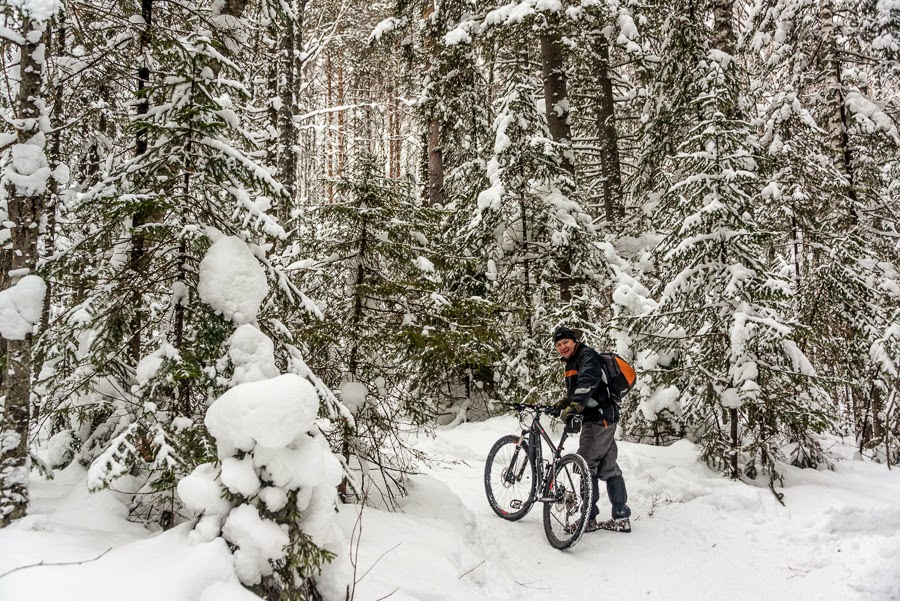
<point x="619" y="377"/>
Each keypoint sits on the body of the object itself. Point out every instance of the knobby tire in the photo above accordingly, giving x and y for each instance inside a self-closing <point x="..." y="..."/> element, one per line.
<point x="505" y="457"/>
<point x="566" y="518"/>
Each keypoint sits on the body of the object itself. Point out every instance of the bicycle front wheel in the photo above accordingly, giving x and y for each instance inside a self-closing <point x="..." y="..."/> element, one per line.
<point x="509" y="478"/>
<point x="566" y="517"/>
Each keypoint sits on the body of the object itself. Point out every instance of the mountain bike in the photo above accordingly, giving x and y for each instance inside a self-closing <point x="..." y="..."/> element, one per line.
<point x="516" y="476"/>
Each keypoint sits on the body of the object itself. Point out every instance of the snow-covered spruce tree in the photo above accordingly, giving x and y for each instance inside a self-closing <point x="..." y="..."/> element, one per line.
<point x="271" y="493"/>
<point x="833" y="148"/>
<point x="375" y="277"/>
<point x="746" y="388"/>
<point x="454" y="342"/>
<point x="194" y="185"/>
<point x="674" y="42"/>
<point x="24" y="184"/>
<point x="606" y="40"/>
<point x="527" y="223"/>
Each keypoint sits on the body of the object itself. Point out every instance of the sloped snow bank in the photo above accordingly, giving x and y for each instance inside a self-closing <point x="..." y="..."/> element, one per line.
<point x="68" y="524"/>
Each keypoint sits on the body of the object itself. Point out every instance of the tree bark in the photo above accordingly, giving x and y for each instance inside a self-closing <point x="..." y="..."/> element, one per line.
<point x="556" y="95"/>
<point x="25" y="206"/>
<point x="838" y="136"/>
<point x="138" y="263"/>
<point x="556" y="103"/>
<point x="610" y="167"/>
<point x="290" y="39"/>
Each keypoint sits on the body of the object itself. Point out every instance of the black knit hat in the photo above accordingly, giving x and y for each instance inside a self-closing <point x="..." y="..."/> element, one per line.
<point x="562" y="332"/>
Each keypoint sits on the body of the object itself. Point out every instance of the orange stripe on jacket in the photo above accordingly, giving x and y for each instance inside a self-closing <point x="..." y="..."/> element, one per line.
<point x="571" y="372"/>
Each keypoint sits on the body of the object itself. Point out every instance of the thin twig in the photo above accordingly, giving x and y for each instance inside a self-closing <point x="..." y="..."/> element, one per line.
<point x="60" y="563"/>
<point x="472" y="570"/>
<point x="376" y="562"/>
<point x="389" y="594"/>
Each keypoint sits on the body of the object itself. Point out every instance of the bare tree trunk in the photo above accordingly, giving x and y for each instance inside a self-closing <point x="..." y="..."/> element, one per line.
<point x="25" y="206"/>
<point x="556" y="103"/>
<point x="329" y="159"/>
<point x="433" y="151"/>
<point x="138" y="262"/>
<point x="838" y="136"/>
<point x="288" y="80"/>
<point x="556" y="95"/>
<point x="394" y="135"/>
<point x="341" y="117"/>
<point x="610" y="167"/>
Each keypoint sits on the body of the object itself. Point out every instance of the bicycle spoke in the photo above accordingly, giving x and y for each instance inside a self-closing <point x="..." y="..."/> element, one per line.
<point x="509" y="478"/>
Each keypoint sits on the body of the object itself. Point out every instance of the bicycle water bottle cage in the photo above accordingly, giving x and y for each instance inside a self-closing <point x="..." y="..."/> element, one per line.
<point x="573" y="424"/>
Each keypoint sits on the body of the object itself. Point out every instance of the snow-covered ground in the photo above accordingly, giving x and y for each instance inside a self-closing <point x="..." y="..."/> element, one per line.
<point x="696" y="536"/>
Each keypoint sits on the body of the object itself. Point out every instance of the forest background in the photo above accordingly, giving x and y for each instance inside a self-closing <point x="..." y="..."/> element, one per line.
<point x="399" y="202"/>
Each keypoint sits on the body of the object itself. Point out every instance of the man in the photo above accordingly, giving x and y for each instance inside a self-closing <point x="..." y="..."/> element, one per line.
<point x="589" y="396"/>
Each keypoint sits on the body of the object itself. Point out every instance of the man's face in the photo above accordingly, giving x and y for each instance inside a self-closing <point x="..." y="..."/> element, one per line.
<point x="565" y="348"/>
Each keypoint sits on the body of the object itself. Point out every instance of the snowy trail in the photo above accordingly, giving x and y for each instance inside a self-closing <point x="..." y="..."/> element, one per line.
<point x="697" y="536"/>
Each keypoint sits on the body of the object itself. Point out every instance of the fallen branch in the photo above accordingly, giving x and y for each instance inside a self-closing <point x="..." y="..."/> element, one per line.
<point x="472" y="570"/>
<point x="58" y="563"/>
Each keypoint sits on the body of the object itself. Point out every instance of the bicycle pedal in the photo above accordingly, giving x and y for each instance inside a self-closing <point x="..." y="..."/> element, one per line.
<point x="515" y="504"/>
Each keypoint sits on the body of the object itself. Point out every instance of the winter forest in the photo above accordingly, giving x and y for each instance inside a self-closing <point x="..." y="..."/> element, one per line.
<point x="250" y="246"/>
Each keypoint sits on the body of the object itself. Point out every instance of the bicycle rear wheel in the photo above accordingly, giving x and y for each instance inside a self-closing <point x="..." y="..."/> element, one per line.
<point x="566" y="517"/>
<point x="509" y="478"/>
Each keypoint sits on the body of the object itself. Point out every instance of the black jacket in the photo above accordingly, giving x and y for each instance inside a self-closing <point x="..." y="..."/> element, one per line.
<point x="586" y="384"/>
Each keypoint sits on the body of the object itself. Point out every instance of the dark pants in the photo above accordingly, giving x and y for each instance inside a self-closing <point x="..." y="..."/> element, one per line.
<point x="598" y="447"/>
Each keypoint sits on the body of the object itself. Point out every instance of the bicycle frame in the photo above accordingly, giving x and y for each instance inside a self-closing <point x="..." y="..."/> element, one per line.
<point x="544" y="473"/>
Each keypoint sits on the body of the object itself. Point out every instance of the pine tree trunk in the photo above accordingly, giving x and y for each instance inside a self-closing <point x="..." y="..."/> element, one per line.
<point x="838" y="136"/>
<point x="341" y="118"/>
<point x="725" y="41"/>
<point x="610" y="167"/>
<point x="25" y="208"/>
<point x="287" y="131"/>
<point x="329" y="142"/>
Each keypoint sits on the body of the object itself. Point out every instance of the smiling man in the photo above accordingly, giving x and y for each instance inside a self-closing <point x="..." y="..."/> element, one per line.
<point x="588" y="394"/>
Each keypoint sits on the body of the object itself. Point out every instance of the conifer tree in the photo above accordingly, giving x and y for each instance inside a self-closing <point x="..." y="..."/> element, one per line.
<point x="197" y="179"/>
<point x="527" y="227"/>
<point x="375" y="278"/>
<point x="831" y="145"/>
<point x="729" y="348"/>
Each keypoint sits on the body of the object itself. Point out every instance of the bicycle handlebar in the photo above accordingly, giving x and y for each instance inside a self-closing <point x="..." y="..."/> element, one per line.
<point x="548" y="409"/>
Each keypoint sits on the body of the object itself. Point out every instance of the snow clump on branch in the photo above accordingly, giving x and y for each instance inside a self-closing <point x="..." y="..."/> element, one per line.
<point x="273" y="492"/>
<point x="232" y="281"/>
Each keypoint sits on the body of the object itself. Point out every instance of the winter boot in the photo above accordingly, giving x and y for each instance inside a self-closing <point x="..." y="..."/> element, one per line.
<point x="595" y="484"/>
<point x="614" y="524"/>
